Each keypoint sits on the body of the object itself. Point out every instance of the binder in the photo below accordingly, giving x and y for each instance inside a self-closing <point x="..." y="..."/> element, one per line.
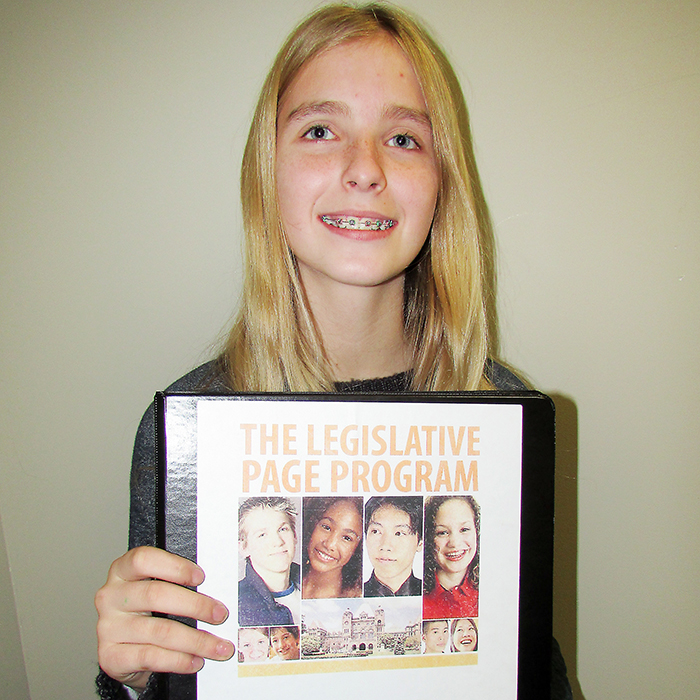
<point x="216" y="453"/>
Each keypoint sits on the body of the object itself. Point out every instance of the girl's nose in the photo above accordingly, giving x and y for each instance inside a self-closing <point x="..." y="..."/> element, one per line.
<point x="330" y="541"/>
<point x="364" y="170"/>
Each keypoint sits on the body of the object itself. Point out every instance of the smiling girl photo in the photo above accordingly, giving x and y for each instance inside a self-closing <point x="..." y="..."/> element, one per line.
<point x="332" y="545"/>
<point x="451" y="587"/>
<point x="464" y="635"/>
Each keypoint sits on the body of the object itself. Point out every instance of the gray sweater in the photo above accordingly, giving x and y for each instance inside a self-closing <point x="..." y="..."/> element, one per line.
<point x="208" y="378"/>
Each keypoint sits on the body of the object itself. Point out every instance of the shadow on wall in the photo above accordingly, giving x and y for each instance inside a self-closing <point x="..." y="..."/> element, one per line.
<point x="566" y="536"/>
<point x="13" y="675"/>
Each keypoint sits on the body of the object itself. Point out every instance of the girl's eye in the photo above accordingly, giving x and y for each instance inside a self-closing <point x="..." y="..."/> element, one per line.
<point x="403" y="141"/>
<point x="466" y="529"/>
<point x="318" y="133"/>
<point x="440" y="533"/>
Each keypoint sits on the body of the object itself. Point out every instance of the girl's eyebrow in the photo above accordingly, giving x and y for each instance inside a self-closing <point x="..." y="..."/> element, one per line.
<point x="307" y="109"/>
<point x="459" y="524"/>
<point x="418" y="116"/>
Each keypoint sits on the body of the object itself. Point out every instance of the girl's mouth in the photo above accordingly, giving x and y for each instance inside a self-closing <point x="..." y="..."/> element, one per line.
<point x="323" y="556"/>
<point x="358" y="223"/>
<point x="455" y="556"/>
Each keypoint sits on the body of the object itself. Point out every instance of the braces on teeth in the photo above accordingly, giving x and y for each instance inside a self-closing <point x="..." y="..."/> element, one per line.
<point x="359" y="224"/>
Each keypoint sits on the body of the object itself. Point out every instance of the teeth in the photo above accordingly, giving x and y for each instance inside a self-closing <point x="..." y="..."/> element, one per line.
<point x="323" y="556"/>
<point x="455" y="555"/>
<point x="358" y="223"/>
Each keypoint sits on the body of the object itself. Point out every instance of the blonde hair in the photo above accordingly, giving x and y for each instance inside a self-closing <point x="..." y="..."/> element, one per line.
<point x="275" y="344"/>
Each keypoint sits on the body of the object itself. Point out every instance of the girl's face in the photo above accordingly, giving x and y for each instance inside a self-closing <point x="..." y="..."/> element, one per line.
<point x="357" y="175"/>
<point x="464" y="635"/>
<point x="335" y="537"/>
<point x="455" y="536"/>
<point x="253" y="645"/>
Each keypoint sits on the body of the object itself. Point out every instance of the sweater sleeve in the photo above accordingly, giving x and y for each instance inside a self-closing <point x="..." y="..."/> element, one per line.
<point x="503" y="379"/>
<point x="142" y="531"/>
<point x="109" y="689"/>
<point x="142" y="513"/>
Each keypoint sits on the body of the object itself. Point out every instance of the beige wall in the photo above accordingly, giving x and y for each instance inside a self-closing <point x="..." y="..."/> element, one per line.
<point x="121" y="129"/>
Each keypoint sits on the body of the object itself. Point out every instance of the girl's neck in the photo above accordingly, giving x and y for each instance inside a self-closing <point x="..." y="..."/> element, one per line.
<point x="450" y="580"/>
<point x="362" y="329"/>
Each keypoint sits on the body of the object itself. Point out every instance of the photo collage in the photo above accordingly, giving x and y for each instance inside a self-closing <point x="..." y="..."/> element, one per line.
<point x="351" y="576"/>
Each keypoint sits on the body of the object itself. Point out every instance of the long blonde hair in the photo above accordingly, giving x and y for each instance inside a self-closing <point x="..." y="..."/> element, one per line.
<point x="275" y="344"/>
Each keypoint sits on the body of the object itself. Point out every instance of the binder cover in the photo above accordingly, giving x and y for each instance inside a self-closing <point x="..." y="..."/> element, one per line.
<point x="488" y="457"/>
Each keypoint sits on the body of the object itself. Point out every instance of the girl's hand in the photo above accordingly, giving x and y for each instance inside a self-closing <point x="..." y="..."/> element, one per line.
<point x="131" y="643"/>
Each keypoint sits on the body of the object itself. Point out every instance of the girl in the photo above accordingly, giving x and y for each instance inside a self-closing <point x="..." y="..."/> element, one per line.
<point x="332" y="537"/>
<point x="367" y="268"/>
<point x="451" y="587"/>
<point x="253" y="644"/>
<point x="464" y="635"/>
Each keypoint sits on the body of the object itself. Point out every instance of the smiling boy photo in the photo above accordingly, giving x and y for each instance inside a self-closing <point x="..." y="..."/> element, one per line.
<point x="285" y="643"/>
<point x="269" y="592"/>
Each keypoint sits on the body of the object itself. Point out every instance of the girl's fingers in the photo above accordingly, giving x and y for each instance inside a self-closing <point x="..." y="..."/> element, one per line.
<point x="144" y="659"/>
<point x="169" y="599"/>
<point x="148" y="658"/>
<point x="148" y="580"/>
<point x="150" y="562"/>
<point x="145" y="631"/>
<point x="132" y="643"/>
<point x="133" y="662"/>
